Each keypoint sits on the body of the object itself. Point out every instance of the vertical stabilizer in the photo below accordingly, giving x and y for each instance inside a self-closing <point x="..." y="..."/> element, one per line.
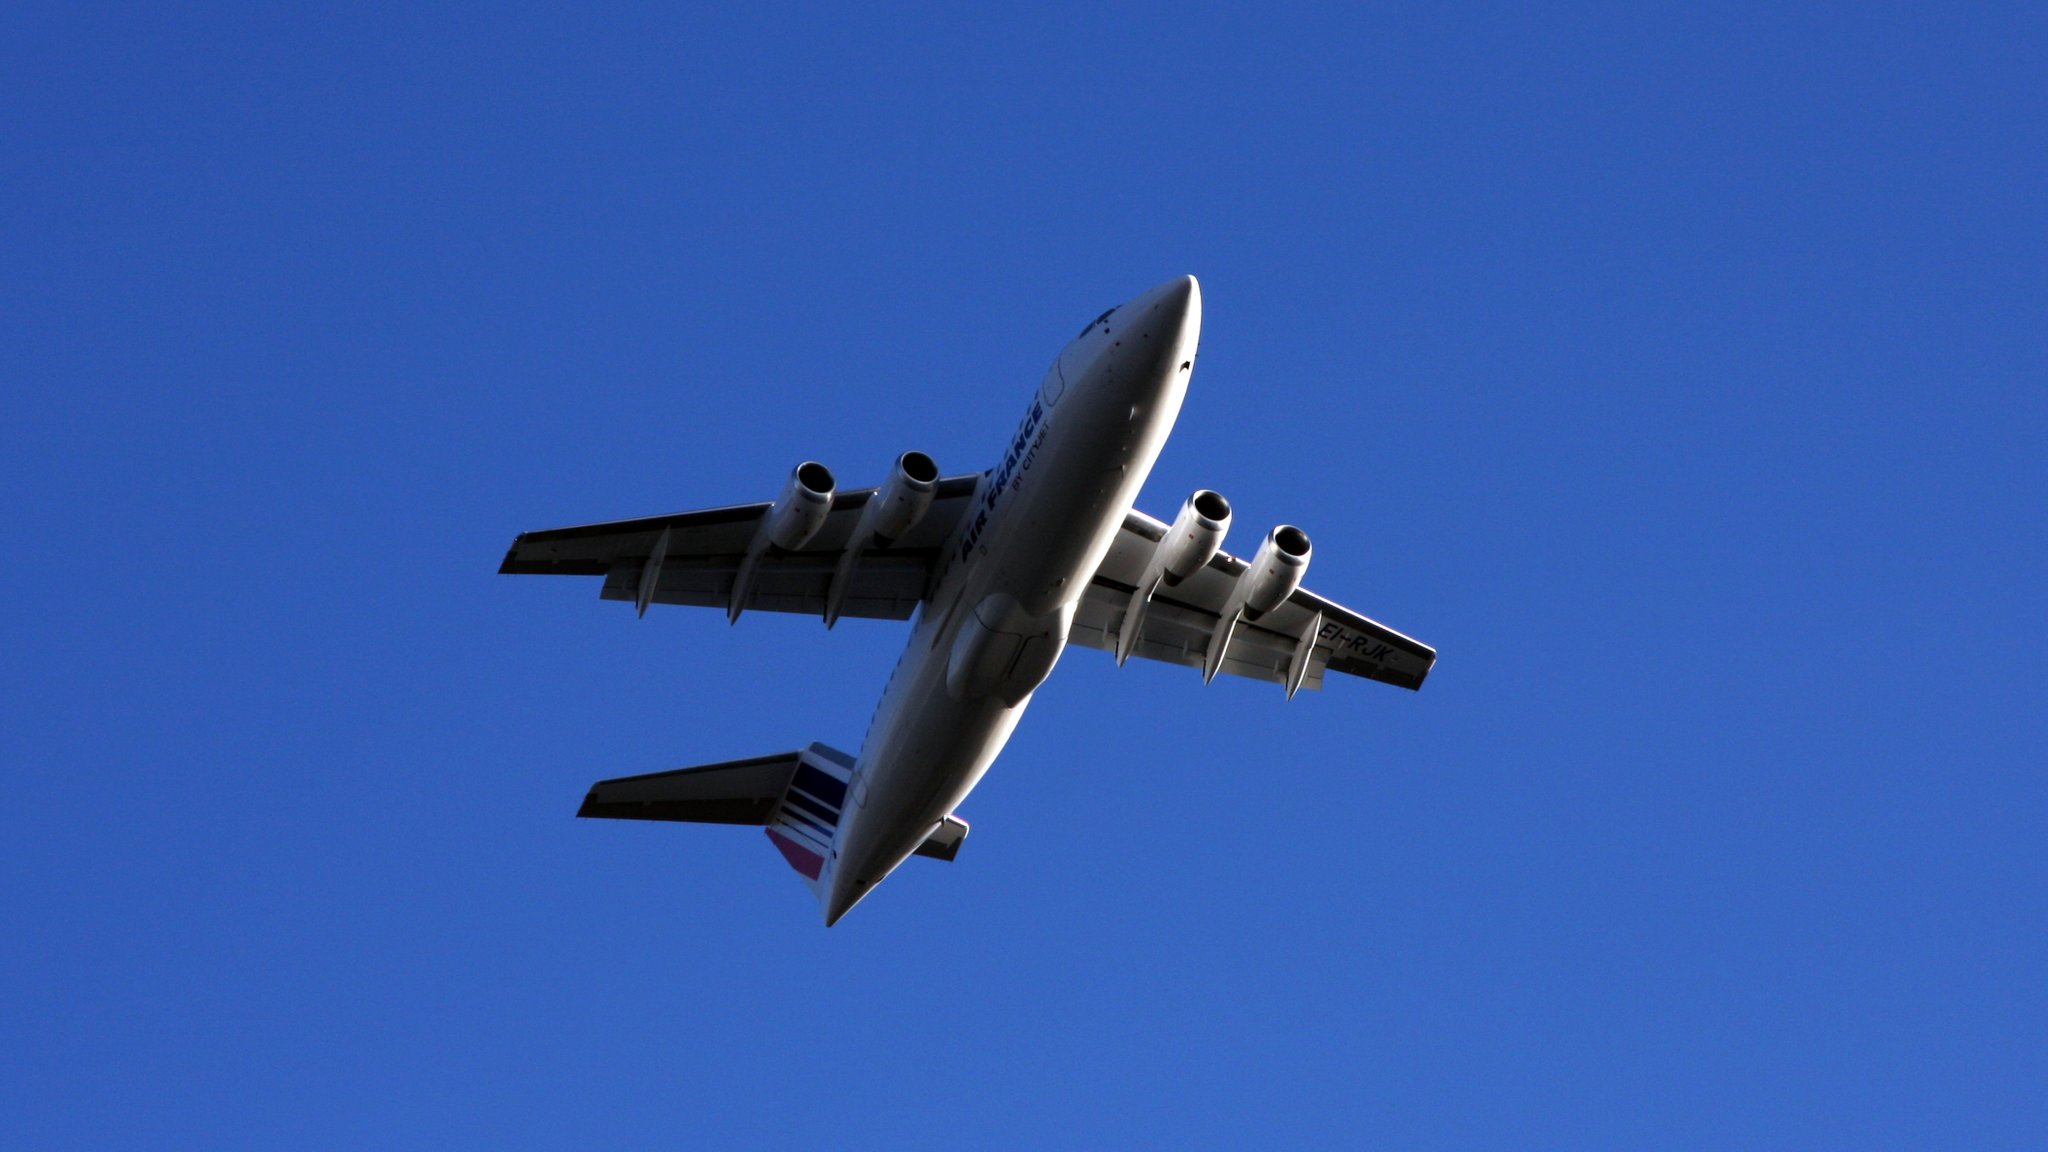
<point x="805" y="824"/>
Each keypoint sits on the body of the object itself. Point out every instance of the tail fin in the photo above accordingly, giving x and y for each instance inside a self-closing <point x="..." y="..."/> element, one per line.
<point x="806" y="821"/>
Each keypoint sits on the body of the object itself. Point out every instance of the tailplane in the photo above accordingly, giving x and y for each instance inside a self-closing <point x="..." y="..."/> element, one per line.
<point x="797" y="795"/>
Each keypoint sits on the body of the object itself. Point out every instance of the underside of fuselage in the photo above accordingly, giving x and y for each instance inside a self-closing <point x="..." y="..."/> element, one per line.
<point x="998" y="614"/>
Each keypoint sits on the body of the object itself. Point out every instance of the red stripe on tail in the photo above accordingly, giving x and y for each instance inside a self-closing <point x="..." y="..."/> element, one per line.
<point x="800" y="858"/>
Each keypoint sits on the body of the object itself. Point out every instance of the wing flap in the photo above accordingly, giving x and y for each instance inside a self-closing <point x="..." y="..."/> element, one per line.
<point x="886" y="585"/>
<point x="1177" y="632"/>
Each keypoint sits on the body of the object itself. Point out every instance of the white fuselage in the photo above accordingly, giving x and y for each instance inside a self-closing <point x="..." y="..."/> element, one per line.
<point x="1003" y="596"/>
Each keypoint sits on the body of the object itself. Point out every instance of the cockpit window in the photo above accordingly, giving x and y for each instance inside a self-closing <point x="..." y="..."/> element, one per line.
<point x="1094" y="322"/>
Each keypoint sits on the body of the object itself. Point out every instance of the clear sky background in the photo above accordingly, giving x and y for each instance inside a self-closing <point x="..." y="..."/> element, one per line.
<point x="1678" y="374"/>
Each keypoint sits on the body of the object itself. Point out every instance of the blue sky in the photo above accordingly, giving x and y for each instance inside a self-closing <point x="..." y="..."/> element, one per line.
<point x="1677" y="374"/>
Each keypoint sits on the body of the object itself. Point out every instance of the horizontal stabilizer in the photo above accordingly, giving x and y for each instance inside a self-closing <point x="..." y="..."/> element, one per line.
<point x="735" y="792"/>
<point x="798" y="796"/>
<point x="945" y="840"/>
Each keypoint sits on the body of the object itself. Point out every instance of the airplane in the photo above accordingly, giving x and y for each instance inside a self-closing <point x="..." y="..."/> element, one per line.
<point x="1002" y="570"/>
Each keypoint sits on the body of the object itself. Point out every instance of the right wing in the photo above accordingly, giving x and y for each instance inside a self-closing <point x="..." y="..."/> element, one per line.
<point x="1278" y="647"/>
<point x="705" y="549"/>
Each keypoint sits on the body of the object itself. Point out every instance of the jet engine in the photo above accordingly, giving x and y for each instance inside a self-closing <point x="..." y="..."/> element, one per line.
<point x="801" y="509"/>
<point x="1275" y="572"/>
<point x="1186" y="549"/>
<point x="794" y="518"/>
<point x="892" y="511"/>
<point x="904" y="498"/>
<point x="1195" y="536"/>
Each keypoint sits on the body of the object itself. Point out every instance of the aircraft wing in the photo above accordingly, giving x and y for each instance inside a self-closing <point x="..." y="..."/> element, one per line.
<point x="704" y="549"/>
<point x="1294" y="644"/>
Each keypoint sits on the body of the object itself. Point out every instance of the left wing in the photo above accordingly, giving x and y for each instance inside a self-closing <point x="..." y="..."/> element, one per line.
<point x="703" y="551"/>
<point x="1294" y="644"/>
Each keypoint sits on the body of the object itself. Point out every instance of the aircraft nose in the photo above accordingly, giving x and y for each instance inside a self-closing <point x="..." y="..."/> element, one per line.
<point x="1166" y="324"/>
<point x="1139" y="351"/>
<point x="1173" y="303"/>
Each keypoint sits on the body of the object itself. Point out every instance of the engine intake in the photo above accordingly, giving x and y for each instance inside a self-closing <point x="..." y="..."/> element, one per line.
<point x="1188" y="546"/>
<point x="1275" y="572"/>
<point x="903" y="499"/>
<point x="1272" y="576"/>
<point x="895" y="508"/>
<point x="801" y="509"/>
<point x="1195" y="537"/>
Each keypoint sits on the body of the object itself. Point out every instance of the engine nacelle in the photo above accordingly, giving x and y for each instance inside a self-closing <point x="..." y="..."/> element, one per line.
<point x="1186" y="549"/>
<point x="801" y="509"/>
<point x="1195" y="537"/>
<point x="1275" y="572"/>
<point x="904" y="498"/>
